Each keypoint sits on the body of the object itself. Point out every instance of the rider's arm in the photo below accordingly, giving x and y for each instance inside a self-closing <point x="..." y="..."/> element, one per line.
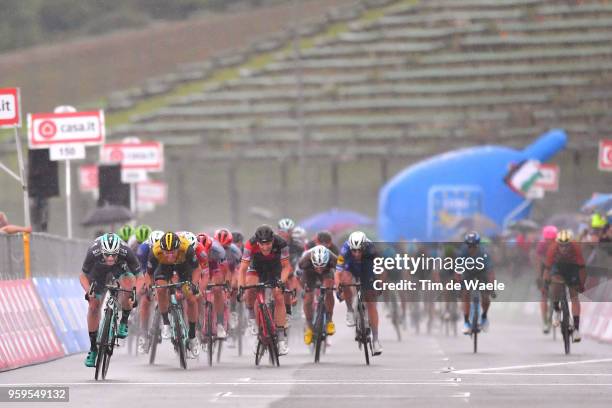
<point x="244" y="263"/>
<point x="285" y="264"/>
<point x="88" y="266"/>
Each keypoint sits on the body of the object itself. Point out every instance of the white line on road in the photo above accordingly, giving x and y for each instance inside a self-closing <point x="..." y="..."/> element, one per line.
<point x="519" y="367"/>
<point x="339" y="396"/>
<point x="274" y="383"/>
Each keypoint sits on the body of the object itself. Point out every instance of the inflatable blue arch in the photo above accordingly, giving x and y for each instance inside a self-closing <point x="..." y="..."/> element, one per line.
<point x="425" y="199"/>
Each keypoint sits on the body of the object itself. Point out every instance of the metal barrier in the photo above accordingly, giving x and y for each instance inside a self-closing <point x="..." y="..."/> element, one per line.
<point x="50" y="256"/>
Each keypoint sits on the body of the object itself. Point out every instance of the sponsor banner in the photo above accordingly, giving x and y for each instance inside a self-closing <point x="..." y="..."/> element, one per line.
<point x="605" y="155"/>
<point x="26" y="334"/>
<point x="155" y="192"/>
<point x="88" y="177"/>
<point x="144" y="156"/>
<point x="550" y="177"/>
<point x="10" y="110"/>
<point x="64" y="303"/>
<point x="47" y="129"/>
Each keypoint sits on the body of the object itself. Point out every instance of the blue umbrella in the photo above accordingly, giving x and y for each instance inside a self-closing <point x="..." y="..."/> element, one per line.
<point x="335" y="220"/>
<point x="601" y="202"/>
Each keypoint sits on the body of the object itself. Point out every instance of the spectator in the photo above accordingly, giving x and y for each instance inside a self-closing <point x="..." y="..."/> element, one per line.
<point x="7" y="228"/>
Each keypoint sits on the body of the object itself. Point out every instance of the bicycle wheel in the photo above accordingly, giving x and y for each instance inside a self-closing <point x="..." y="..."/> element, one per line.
<point x="179" y="337"/>
<point x="219" y="347"/>
<point x="565" y="326"/>
<point x="209" y="333"/>
<point x="155" y="335"/>
<point x="273" y="350"/>
<point x="259" y="352"/>
<point x="363" y="337"/>
<point x="240" y="328"/>
<point x="100" y="358"/>
<point x="318" y="333"/>
<point x="271" y="334"/>
<point x="109" y="347"/>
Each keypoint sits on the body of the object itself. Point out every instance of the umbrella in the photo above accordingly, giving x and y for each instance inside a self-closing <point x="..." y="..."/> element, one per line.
<point x="599" y="202"/>
<point x="523" y="226"/>
<point x="477" y="222"/>
<point x="335" y="220"/>
<point x="108" y="214"/>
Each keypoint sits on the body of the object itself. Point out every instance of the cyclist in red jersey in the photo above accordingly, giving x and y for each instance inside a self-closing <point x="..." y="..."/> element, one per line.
<point x="218" y="274"/>
<point x="266" y="258"/>
<point x="549" y="233"/>
<point x="565" y="266"/>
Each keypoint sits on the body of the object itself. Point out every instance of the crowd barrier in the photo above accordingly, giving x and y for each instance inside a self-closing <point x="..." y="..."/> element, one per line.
<point x="64" y="303"/>
<point x="26" y="333"/>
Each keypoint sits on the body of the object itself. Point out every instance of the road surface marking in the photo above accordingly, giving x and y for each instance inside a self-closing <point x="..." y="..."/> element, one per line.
<point x="519" y="367"/>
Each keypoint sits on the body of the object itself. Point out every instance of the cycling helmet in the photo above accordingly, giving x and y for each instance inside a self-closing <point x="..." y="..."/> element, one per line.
<point x="155" y="236"/>
<point x="597" y="221"/>
<point x="237" y="237"/>
<point x="472" y="238"/>
<point x="298" y="233"/>
<point x="126" y="232"/>
<point x="142" y="233"/>
<point x="205" y="240"/>
<point x="356" y="240"/>
<point x="286" y="224"/>
<point x="564" y="236"/>
<point x="191" y="238"/>
<point x="264" y="234"/>
<point x="110" y="244"/>
<point x="324" y="237"/>
<point x="170" y="241"/>
<point x="549" y="232"/>
<point x="224" y="236"/>
<point x="319" y="256"/>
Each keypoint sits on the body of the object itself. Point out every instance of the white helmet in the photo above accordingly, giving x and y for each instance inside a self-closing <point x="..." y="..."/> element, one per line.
<point x="319" y="256"/>
<point x="110" y="244"/>
<point x="190" y="236"/>
<point x="155" y="236"/>
<point x="298" y="233"/>
<point x="356" y="240"/>
<point x="286" y="224"/>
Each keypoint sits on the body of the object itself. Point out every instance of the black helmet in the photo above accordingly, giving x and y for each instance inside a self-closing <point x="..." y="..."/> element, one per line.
<point x="472" y="238"/>
<point x="169" y="242"/>
<point x="264" y="234"/>
<point x="324" y="237"/>
<point x="237" y="236"/>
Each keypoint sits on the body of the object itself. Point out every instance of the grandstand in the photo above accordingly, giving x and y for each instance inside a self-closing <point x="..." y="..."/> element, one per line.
<point x="411" y="78"/>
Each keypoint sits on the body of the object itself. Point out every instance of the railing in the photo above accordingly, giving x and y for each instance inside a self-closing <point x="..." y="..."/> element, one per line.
<point x="49" y="256"/>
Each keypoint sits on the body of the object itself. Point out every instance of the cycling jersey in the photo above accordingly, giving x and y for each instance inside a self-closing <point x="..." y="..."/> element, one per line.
<point x="565" y="263"/>
<point x="216" y="257"/>
<point x="361" y="269"/>
<point x="95" y="268"/>
<point x="142" y="252"/>
<point x="186" y="261"/>
<point x="202" y="257"/>
<point x="233" y="256"/>
<point x="481" y="257"/>
<point x="266" y="266"/>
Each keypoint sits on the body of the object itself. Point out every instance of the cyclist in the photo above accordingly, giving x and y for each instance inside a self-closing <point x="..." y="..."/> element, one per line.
<point x="266" y="258"/>
<point x="107" y="257"/>
<point x="238" y="240"/>
<point x="233" y="255"/>
<point x="218" y="274"/>
<point x="549" y="234"/>
<point x="323" y="238"/>
<point x="286" y="227"/>
<point x="318" y="265"/>
<point x="565" y="266"/>
<point x="144" y="301"/>
<point x="173" y="253"/>
<point x="473" y="250"/>
<point x="356" y="260"/>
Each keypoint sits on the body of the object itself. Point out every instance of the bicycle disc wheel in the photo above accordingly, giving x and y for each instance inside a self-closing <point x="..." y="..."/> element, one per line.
<point x="565" y="330"/>
<point x="155" y="336"/>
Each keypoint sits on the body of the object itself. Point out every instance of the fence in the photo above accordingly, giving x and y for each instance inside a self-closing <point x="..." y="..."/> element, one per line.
<point x="50" y="256"/>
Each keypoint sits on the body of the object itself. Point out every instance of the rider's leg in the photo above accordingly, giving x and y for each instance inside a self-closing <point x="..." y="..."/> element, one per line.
<point x="219" y="297"/>
<point x="249" y="295"/>
<point x="329" y="298"/>
<point x="144" y="304"/>
<point x="280" y="315"/>
<point x="575" y="307"/>
<point x="127" y="282"/>
<point x="370" y="303"/>
<point x="308" y="312"/>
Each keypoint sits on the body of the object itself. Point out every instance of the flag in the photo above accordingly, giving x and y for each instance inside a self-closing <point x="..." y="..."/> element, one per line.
<point x="522" y="176"/>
